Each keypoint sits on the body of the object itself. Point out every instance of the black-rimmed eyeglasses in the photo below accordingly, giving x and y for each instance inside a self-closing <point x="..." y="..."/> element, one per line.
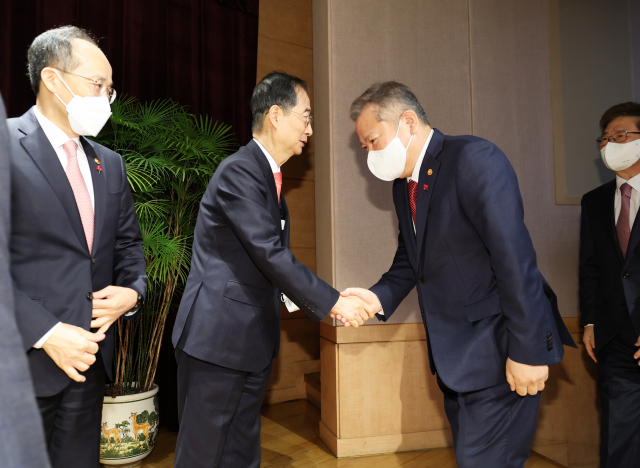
<point x="617" y="137"/>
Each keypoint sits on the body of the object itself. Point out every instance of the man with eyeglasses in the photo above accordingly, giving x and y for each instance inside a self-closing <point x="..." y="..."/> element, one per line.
<point x="77" y="262"/>
<point x="227" y="331"/>
<point x="610" y="286"/>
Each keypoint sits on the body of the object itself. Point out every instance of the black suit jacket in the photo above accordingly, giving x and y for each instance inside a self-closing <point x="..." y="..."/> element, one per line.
<point x="23" y="443"/>
<point x="52" y="269"/>
<point x="230" y="311"/>
<point x="471" y="258"/>
<point x="609" y="282"/>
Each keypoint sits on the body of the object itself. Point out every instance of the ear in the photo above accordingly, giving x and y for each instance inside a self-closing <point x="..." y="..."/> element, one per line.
<point x="50" y="80"/>
<point x="411" y="119"/>
<point x="275" y="115"/>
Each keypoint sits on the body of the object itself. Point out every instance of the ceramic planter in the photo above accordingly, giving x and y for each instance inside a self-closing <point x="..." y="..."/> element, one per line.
<point x="129" y="428"/>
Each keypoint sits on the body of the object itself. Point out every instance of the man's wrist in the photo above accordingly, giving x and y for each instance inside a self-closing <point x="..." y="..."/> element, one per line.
<point x="41" y="342"/>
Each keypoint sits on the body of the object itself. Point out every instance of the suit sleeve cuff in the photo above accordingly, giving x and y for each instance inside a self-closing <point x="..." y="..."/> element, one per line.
<point x="44" y="339"/>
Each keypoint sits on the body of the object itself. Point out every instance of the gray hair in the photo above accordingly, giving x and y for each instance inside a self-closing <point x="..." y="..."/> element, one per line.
<point x="53" y="48"/>
<point x="388" y="100"/>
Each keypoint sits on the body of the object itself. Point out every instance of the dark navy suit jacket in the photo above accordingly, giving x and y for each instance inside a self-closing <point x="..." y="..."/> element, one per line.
<point x="609" y="282"/>
<point x="22" y="444"/>
<point x="230" y="311"/>
<point x="481" y="295"/>
<point x="52" y="269"/>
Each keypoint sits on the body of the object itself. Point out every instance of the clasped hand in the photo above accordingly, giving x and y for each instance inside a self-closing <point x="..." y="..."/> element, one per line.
<point x="73" y="348"/>
<point x="364" y="298"/>
<point x="524" y="378"/>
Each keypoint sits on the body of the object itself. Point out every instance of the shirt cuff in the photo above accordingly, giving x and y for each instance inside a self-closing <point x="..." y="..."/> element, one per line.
<point x="130" y="313"/>
<point x="588" y="325"/>
<point x="44" y="339"/>
<point x="381" y="312"/>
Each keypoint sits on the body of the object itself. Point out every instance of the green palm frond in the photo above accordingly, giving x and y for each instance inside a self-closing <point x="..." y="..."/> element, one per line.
<point x="170" y="156"/>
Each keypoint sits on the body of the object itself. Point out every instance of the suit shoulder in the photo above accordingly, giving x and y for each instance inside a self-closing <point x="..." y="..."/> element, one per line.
<point x="599" y="192"/>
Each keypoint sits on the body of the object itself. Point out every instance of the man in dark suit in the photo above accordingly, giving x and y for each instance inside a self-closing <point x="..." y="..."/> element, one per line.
<point x="76" y="258"/>
<point x="227" y="330"/>
<point x="610" y="286"/>
<point x="22" y="443"/>
<point x="464" y="245"/>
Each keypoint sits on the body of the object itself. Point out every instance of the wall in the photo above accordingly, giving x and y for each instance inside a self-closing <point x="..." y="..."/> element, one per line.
<point x="285" y="43"/>
<point x="481" y="68"/>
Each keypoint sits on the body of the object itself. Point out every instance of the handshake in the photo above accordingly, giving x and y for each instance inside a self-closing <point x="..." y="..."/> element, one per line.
<point x="355" y="306"/>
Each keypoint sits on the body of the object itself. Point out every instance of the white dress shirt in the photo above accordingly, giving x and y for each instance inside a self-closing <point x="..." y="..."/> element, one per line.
<point x="57" y="138"/>
<point x="415" y="176"/>
<point x="633" y="205"/>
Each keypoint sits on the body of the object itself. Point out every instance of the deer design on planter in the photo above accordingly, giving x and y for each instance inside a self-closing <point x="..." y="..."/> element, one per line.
<point x="111" y="432"/>
<point x="144" y="427"/>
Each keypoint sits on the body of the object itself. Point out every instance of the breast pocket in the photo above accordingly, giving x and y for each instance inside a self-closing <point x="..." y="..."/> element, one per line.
<point x="246" y="294"/>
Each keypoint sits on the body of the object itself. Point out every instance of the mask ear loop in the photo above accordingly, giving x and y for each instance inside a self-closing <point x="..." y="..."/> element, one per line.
<point x="397" y="132"/>
<point x="69" y="89"/>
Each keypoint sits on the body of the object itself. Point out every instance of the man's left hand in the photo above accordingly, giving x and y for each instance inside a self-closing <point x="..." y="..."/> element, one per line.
<point x="637" y="355"/>
<point x="109" y="304"/>
<point x="526" y="379"/>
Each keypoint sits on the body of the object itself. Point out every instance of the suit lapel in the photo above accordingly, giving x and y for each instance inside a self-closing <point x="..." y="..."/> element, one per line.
<point x="426" y="185"/>
<point x="39" y="148"/>
<point x="99" y="180"/>
<point x="286" y="232"/>
<point x="261" y="159"/>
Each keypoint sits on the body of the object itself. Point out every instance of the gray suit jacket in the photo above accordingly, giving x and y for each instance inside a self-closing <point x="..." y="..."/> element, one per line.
<point x="22" y="442"/>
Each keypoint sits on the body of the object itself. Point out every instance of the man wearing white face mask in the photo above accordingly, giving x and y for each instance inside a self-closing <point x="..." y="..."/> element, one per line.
<point x="610" y="285"/>
<point x="77" y="262"/>
<point x="491" y="320"/>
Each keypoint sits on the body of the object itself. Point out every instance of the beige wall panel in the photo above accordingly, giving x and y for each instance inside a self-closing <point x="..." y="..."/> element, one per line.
<point x="323" y="143"/>
<point x="512" y="108"/>
<point x="301" y="167"/>
<point x="402" y="395"/>
<point x="434" y="62"/>
<point x="300" y="196"/>
<point x="299" y="354"/>
<point x="394" y="332"/>
<point x="287" y="20"/>
<point x="284" y="56"/>
<point x="330" y="409"/>
<point x="306" y="256"/>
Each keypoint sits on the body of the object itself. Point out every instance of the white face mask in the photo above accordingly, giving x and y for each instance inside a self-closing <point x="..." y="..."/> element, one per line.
<point x="389" y="162"/>
<point x="620" y="156"/>
<point x="87" y="115"/>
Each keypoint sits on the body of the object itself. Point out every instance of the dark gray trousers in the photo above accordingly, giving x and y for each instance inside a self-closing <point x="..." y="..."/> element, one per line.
<point x="72" y="420"/>
<point x="491" y="427"/>
<point x="219" y="414"/>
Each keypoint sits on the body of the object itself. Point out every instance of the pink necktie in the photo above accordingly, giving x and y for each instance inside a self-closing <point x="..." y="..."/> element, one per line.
<point x="278" y="178"/>
<point x="79" y="190"/>
<point x="412" y="187"/>
<point x="624" y="231"/>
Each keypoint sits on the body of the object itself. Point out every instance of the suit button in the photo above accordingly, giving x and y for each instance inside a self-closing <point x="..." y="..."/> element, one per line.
<point x="626" y="275"/>
<point x="90" y="296"/>
<point x="93" y="260"/>
<point x="422" y="312"/>
<point x="423" y="279"/>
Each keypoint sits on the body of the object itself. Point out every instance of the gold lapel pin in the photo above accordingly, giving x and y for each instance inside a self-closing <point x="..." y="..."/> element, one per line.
<point x="430" y="171"/>
<point x="98" y="161"/>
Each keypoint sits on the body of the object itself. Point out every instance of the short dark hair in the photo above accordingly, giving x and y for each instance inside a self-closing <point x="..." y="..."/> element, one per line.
<point x="275" y="89"/>
<point x="53" y="47"/>
<point x="626" y="109"/>
<point x="389" y="100"/>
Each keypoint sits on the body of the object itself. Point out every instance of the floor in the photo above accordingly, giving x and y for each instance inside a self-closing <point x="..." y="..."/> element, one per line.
<point x="290" y="439"/>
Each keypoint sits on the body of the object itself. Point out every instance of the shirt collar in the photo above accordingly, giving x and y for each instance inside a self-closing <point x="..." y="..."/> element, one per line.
<point x="272" y="162"/>
<point x="634" y="182"/>
<point x="54" y="134"/>
<point x="415" y="176"/>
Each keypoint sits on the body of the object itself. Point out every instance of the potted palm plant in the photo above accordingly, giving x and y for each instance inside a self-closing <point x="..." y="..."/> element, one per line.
<point x="170" y="157"/>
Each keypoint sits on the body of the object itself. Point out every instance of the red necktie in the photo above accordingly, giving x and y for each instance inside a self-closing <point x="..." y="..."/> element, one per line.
<point x="624" y="231"/>
<point x="278" y="178"/>
<point x="80" y="191"/>
<point x="412" y="187"/>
